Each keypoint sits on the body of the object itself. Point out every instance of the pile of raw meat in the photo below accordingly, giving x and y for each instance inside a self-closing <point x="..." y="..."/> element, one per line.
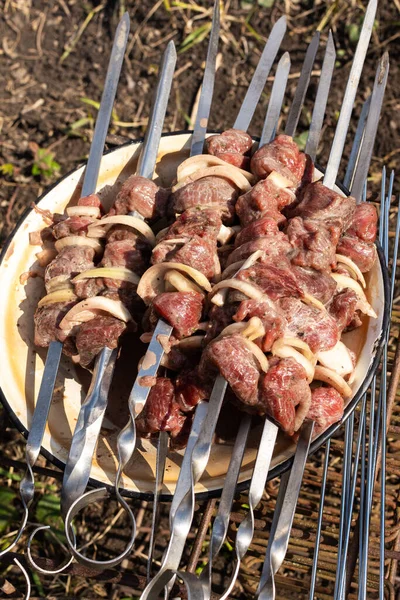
<point x="259" y="272"/>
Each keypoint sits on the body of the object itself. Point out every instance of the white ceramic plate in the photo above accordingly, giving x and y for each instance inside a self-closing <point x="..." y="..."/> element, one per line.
<point x="22" y="366"/>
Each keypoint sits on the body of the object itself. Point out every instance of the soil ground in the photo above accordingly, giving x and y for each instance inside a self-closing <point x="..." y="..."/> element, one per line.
<point x="53" y="58"/>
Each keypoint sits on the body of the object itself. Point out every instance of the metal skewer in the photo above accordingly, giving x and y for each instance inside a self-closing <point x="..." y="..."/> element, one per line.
<point x="273" y="561"/>
<point x="182" y="513"/>
<point x="155" y="349"/>
<point x="41" y="412"/>
<point x="83" y="444"/>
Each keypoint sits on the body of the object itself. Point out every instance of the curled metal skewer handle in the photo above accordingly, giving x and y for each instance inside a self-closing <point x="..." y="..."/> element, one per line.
<point x="89" y="186"/>
<point x="126" y="441"/>
<point x="181" y="520"/>
<point x="221" y="521"/>
<point x="245" y="531"/>
<point x="288" y="498"/>
<point x="36" y="434"/>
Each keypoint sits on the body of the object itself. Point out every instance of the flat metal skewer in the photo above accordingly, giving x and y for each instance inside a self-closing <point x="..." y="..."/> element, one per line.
<point x="83" y="446"/>
<point x="275" y="556"/>
<point x="42" y="408"/>
<point x="270" y="430"/>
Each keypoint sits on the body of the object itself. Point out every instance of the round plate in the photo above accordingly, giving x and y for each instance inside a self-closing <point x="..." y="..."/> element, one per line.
<point x="22" y="364"/>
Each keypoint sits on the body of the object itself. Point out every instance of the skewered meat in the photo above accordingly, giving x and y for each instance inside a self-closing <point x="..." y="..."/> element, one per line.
<point x="362" y="253"/>
<point x="314" y="243"/>
<point x="343" y="307"/>
<point x="199" y="253"/>
<point x="319" y="285"/>
<point x="143" y="196"/>
<point x="364" y="223"/>
<point x="231" y="146"/>
<point x="283" y="156"/>
<point x="265" y="199"/>
<point x="190" y="389"/>
<point x="316" y="327"/>
<point x="277" y="280"/>
<point x="182" y="310"/>
<point x="47" y="319"/>
<point x="215" y="192"/>
<point x="326" y="408"/>
<point x="271" y="317"/>
<point x="275" y="245"/>
<point x="71" y="261"/>
<point x="72" y="226"/>
<point x="161" y="411"/>
<point x="202" y="223"/>
<point x="255" y="230"/>
<point x="285" y="394"/>
<point x="95" y="334"/>
<point x="323" y="204"/>
<point x="237" y="365"/>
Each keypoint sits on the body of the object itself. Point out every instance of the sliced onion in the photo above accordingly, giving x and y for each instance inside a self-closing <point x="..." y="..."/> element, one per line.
<point x="89" y="308"/>
<point x="296" y="342"/>
<point x="343" y="281"/>
<point x="180" y="282"/>
<point x="78" y="240"/>
<point x="118" y="273"/>
<point x="152" y="281"/>
<point x="328" y="376"/>
<point x="245" y="288"/>
<point x="227" y="171"/>
<point x="193" y="342"/>
<point x="251" y="329"/>
<point x="162" y="232"/>
<point x="227" y="233"/>
<point x="203" y="161"/>
<point x="232" y="270"/>
<point x="290" y="352"/>
<point x="60" y="282"/>
<point x="313" y="301"/>
<point x="280" y="181"/>
<point x="45" y="257"/>
<point x="66" y="295"/>
<point x="220" y="297"/>
<point x="83" y="211"/>
<point x="337" y="358"/>
<point x="340" y="258"/>
<point x="134" y="222"/>
<point x="258" y="354"/>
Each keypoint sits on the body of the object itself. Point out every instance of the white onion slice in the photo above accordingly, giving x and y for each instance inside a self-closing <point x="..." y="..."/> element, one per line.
<point x="227" y="171"/>
<point x="193" y="342"/>
<point x="88" y="309"/>
<point x="337" y="358"/>
<point x="45" y="257"/>
<point x="328" y="376"/>
<point x="245" y="288"/>
<point x="290" y="352"/>
<point x="280" y="181"/>
<point x="312" y="301"/>
<point x="180" y="282"/>
<point x="301" y="345"/>
<point x="251" y="329"/>
<point x="220" y="297"/>
<point x="343" y="281"/>
<point x="232" y="270"/>
<point x="64" y="295"/>
<point x="152" y="281"/>
<point x="226" y="233"/>
<point x="83" y="211"/>
<point x="134" y="222"/>
<point x="204" y="161"/>
<point x="258" y="354"/>
<point x="118" y="273"/>
<point x="345" y="260"/>
<point x="78" y="240"/>
<point x="60" y="282"/>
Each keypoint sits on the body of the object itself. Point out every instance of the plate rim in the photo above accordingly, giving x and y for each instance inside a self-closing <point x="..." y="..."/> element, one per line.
<point x="287" y="463"/>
